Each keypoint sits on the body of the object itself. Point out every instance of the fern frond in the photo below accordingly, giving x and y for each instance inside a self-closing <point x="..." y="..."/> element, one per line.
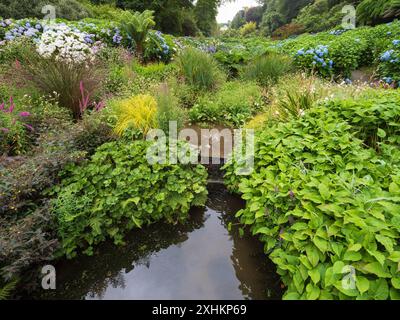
<point x="5" y="292"/>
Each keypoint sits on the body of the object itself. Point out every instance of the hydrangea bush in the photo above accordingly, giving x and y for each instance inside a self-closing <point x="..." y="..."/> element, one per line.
<point x="389" y="66"/>
<point x="315" y="59"/>
<point x="64" y="44"/>
<point x="85" y="34"/>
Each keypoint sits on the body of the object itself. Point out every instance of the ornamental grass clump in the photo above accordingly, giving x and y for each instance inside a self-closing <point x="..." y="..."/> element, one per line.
<point x="136" y="115"/>
<point x="199" y="69"/>
<point x="266" y="70"/>
<point x="63" y="63"/>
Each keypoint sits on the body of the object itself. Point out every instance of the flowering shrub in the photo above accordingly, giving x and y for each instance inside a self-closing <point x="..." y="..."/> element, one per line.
<point x="11" y="30"/>
<point x="315" y="59"/>
<point x="158" y="47"/>
<point x="101" y="30"/>
<point x="13" y="129"/>
<point x="389" y="66"/>
<point x="65" y="44"/>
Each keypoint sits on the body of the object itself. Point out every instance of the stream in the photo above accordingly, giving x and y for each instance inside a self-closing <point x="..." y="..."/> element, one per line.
<point x="199" y="259"/>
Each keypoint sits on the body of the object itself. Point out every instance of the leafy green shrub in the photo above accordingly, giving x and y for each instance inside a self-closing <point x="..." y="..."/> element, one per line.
<point x="118" y="190"/>
<point x="234" y="104"/>
<point x="374" y="117"/>
<point x="199" y="69"/>
<point x="186" y="94"/>
<point x="15" y="50"/>
<point x="325" y="206"/>
<point x="158" y="47"/>
<point x="348" y="53"/>
<point x="266" y="70"/>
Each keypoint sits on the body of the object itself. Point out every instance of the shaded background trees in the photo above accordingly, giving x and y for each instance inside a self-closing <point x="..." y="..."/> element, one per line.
<point x="177" y="17"/>
<point x="296" y="16"/>
<point x="191" y="17"/>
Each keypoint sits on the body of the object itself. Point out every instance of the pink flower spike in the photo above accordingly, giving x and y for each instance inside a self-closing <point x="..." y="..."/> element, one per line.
<point x="24" y="114"/>
<point x="11" y="105"/>
<point x="5" y="130"/>
<point x="29" y="127"/>
<point x="99" y="106"/>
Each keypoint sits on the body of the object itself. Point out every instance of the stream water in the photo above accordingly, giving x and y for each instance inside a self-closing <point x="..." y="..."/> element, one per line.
<point x="199" y="259"/>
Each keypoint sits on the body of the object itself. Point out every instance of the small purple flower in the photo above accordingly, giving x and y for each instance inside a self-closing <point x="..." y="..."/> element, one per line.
<point x="5" y="130"/>
<point x="24" y="114"/>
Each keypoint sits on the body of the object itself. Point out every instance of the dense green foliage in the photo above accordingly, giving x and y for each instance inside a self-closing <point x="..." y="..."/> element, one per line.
<point x="324" y="197"/>
<point x="314" y="15"/>
<point x="199" y="69"/>
<point x="325" y="205"/>
<point x="233" y="105"/>
<point x="68" y="9"/>
<point x="118" y="190"/>
<point x="266" y="70"/>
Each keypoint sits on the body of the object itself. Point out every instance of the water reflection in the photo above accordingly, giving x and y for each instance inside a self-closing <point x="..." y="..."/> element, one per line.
<point x="196" y="260"/>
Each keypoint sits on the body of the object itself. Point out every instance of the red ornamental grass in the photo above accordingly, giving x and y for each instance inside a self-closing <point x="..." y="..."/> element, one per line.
<point x="84" y="102"/>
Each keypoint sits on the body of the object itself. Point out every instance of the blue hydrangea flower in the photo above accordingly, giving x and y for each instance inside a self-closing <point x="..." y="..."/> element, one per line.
<point x="386" y="56"/>
<point x="396" y="42"/>
<point x="388" y="80"/>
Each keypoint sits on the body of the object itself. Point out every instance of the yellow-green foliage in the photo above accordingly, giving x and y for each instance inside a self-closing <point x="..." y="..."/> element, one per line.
<point x="258" y="122"/>
<point x="138" y="113"/>
<point x="248" y="28"/>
